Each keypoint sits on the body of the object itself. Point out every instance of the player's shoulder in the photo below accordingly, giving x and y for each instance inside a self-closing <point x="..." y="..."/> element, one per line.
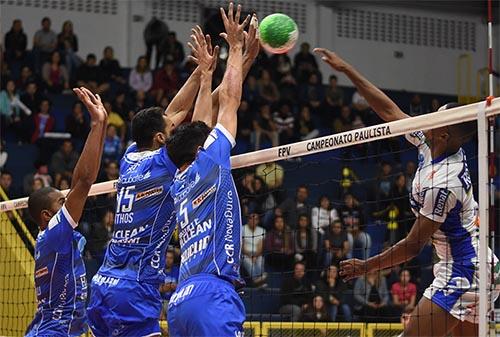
<point x="61" y="217"/>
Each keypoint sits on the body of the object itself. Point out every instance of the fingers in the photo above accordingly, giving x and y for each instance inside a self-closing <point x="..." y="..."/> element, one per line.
<point x="245" y="23"/>
<point x="208" y="41"/>
<point x="192" y="58"/>
<point x="225" y="20"/>
<point x="320" y="51"/>
<point x="252" y="29"/>
<point x="90" y="95"/>
<point x="230" y="13"/>
<point x="223" y="35"/>
<point x="238" y="14"/>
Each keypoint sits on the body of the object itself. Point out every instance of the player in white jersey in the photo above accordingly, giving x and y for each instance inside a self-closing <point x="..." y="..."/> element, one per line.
<point x="446" y="212"/>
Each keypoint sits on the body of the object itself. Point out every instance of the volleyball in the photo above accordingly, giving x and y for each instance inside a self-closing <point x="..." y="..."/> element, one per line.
<point x="278" y="33"/>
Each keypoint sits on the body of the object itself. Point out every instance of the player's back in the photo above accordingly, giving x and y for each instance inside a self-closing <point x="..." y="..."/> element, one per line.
<point x="208" y="214"/>
<point x="144" y="219"/>
<point x="61" y="285"/>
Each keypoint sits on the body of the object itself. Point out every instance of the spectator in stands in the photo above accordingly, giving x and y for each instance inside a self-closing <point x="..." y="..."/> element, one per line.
<point x="155" y="35"/>
<point x="435" y="105"/>
<point x="288" y="88"/>
<point x="323" y="215"/>
<point x="171" y="279"/>
<point x="141" y="77"/>
<point x="67" y="44"/>
<point x="280" y="65"/>
<point x="245" y="121"/>
<point x="121" y="105"/>
<point x="284" y="121"/>
<point x="264" y="128"/>
<point x="305" y="127"/>
<point x="334" y="96"/>
<point x="404" y="292"/>
<point x="268" y="91"/>
<point x="41" y="172"/>
<point x="63" y="161"/>
<point x="32" y="96"/>
<point x="306" y="242"/>
<point x="110" y="66"/>
<point x="305" y="63"/>
<point x="44" y="44"/>
<point x="371" y="298"/>
<point x="166" y="82"/>
<point x="402" y="215"/>
<point x="4" y="156"/>
<point x="416" y="107"/>
<point x="99" y="236"/>
<point x="15" y="43"/>
<point x="296" y="292"/>
<point x="291" y="208"/>
<point x="77" y="125"/>
<point x="55" y="75"/>
<point x="278" y="245"/>
<point x="312" y="92"/>
<point x="316" y="311"/>
<point x="112" y="145"/>
<point x="335" y="244"/>
<point x="380" y="194"/>
<point x="12" y="110"/>
<point x="25" y="78"/>
<point x="251" y="90"/>
<point x="89" y="75"/>
<point x="253" y="249"/>
<point x="333" y="290"/>
<point x="43" y="121"/>
<point x="353" y="220"/>
<point x="6" y="184"/>
<point x="410" y="170"/>
<point x="111" y="172"/>
<point x="115" y="119"/>
<point x="140" y="102"/>
<point x="64" y="183"/>
<point x="174" y="51"/>
<point x="345" y="122"/>
<point x="264" y="201"/>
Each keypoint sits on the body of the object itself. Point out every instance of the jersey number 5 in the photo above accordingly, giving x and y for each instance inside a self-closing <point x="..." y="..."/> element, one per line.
<point x="184" y="214"/>
<point x="125" y="199"/>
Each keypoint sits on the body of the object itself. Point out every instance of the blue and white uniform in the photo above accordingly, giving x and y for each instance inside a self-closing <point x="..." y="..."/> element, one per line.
<point x="125" y="300"/>
<point x="208" y="215"/>
<point x="61" y="287"/>
<point x="442" y="192"/>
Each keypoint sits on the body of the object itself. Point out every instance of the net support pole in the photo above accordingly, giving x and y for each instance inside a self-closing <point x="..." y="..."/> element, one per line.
<point x="483" y="192"/>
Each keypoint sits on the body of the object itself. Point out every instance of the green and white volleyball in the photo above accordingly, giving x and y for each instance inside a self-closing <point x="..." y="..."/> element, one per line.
<point x="278" y="33"/>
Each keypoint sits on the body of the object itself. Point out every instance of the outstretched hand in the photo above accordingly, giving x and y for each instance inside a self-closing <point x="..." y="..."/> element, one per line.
<point x="203" y="54"/>
<point x="352" y="268"/>
<point x="234" y="34"/>
<point x="252" y="41"/>
<point x="93" y="103"/>
<point x="332" y="59"/>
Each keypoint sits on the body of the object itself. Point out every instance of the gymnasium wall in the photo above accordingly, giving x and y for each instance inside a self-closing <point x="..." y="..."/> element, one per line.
<point x="390" y="50"/>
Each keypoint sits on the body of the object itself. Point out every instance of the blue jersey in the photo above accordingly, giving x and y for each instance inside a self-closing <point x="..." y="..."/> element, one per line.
<point x="61" y="287"/>
<point x="208" y="212"/>
<point x="171" y="276"/>
<point x="144" y="220"/>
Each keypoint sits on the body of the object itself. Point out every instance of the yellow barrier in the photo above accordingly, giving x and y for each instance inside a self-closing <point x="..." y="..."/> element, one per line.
<point x="298" y="329"/>
<point x="383" y="329"/>
<point x="17" y="289"/>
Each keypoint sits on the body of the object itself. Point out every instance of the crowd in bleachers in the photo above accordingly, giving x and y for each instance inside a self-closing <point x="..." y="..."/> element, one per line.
<point x="289" y="241"/>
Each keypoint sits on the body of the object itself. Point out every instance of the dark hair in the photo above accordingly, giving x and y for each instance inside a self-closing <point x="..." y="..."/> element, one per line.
<point x="185" y="140"/>
<point x="463" y="131"/>
<point x="38" y="201"/>
<point x="145" y="124"/>
<point x="5" y="172"/>
<point x="46" y="19"/>
<point x="91" y="56"/>
<point x="333" y="77"/>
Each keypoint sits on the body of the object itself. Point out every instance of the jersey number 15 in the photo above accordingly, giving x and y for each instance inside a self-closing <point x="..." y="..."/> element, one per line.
<point x="125" y="199"/>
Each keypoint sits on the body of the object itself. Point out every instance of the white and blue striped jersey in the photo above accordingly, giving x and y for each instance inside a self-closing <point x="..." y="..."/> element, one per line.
<point x="442" y="192"/>
<point x="61" y="286"/>
<point x="144" y="219"/>
<point x="208" y="212"/>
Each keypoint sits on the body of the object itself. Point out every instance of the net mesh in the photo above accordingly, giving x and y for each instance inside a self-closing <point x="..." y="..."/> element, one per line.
<point x="301" y="217"/>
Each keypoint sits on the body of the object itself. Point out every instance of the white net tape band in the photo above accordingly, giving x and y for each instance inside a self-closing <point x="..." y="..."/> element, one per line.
<point x="327" y="143"/>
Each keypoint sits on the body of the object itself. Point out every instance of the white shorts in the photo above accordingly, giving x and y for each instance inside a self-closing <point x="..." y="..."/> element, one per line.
<point x="456" y="290"/>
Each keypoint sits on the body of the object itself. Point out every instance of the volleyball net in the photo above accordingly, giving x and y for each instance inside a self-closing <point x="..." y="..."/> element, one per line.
<point x="307" y="206"/>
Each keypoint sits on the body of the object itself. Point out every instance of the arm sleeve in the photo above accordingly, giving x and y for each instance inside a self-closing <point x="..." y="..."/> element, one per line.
<point x="60" y="231"/>
<point x="219" y="144"/>
<point x="417" y="138"/>
<point x="438" y="202"/>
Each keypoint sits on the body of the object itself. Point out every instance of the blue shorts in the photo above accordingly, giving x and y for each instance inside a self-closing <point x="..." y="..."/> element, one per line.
<point x="205" y="305"/>
<point x="120" y="307"/>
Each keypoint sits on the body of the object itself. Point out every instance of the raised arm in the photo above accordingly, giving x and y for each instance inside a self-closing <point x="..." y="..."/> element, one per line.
<point x="206" y="58"/>
<point x="385" y="108"/>
<point x="87" y="167"/>
<point x="251" y="50"/>
<point x="231" y="86"/>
